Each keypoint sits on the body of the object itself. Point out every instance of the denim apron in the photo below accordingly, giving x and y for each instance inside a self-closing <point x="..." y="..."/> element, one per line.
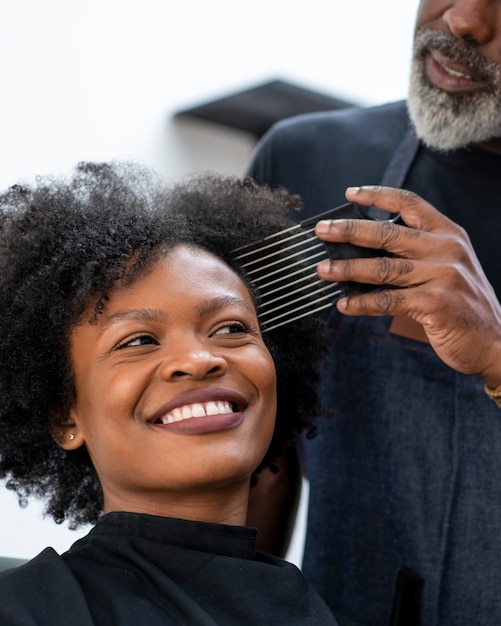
<point x="404" y="522"/>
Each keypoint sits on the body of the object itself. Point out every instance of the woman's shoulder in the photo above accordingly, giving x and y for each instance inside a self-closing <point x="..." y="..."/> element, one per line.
<point x="42" y="591"/>
<point x="15" y="571"/>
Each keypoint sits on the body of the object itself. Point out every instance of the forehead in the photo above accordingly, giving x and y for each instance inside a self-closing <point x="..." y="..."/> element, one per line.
<point x="186" y="272"/>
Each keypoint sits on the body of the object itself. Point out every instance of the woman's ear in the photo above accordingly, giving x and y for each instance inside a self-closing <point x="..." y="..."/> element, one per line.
<point x="67" y="434"/>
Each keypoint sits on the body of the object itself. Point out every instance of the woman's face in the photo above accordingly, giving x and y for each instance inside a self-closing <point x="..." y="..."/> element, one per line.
<point x="175" y="387"/>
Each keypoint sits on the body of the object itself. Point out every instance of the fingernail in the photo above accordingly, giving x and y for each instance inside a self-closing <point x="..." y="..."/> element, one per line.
<point x="352" y="190"/>
<point x="323" y="227"/>
<point x="324" y="267"/>
<point x="342" y="304"/>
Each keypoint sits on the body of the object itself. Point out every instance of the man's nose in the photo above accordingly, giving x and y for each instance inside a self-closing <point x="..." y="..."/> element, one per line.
<point x="476" y="20"/>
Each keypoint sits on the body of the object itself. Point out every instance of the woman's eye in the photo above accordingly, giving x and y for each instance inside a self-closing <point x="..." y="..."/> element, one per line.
<point x="232" y="328"/>
<point x="140" y="340"/>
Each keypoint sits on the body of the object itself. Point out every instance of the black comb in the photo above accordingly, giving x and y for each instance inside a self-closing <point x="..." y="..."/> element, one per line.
<point x="282" y="268"/>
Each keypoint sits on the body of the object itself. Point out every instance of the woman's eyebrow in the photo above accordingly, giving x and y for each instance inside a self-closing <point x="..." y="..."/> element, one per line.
<point x="141" y="315"/>
<point x="218" y="303"/>
<point x="153" y="315"/>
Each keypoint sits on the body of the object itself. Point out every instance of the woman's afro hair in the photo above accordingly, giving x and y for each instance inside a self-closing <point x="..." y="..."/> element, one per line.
<point x="64" y="243"/>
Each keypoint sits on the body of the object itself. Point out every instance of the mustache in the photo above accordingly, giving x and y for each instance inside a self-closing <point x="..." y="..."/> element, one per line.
<point x="456" y="49"/>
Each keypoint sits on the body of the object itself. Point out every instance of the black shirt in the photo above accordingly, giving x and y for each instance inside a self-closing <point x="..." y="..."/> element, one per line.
<point x="464" y="185"/>
<point x="134" y="569"/>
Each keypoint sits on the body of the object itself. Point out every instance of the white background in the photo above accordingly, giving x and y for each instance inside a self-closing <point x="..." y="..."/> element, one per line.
<point x="101" y="79"/>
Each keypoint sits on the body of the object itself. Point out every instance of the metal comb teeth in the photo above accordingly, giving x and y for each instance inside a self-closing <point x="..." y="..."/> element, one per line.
<point x="282" y="268"/>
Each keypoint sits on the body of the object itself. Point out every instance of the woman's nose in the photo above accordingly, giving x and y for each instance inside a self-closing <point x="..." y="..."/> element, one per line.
<point x="196" y="362"/>
<point x="476" y="20"/>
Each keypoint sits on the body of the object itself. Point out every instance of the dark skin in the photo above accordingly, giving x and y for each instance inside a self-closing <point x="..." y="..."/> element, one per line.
<point x="478" y="21"/>
<point x="273" y="504"/>
<point x="443" y="287"/>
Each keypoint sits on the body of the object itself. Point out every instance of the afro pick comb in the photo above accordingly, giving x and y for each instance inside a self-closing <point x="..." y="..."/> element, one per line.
<point x="282" y="268"/>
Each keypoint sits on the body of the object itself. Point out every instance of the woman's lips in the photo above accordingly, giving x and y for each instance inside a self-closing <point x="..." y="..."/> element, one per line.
<point x="451" y="75"/>
<point x="201" y="411"/>
<point x="204" y="425"/>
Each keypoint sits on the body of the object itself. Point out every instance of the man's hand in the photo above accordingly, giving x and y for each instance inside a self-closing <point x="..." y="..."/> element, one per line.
<point x="439" y="280"/>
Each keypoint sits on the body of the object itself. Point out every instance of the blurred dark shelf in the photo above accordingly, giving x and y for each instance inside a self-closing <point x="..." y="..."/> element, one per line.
<point x="256" y="109"/>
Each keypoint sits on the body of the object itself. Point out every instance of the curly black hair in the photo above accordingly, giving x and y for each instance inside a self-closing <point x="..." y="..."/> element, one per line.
<point x="64" y="243"/>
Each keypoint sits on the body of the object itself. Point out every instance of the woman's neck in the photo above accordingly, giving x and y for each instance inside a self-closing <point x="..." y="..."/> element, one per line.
<point x="223" y="505"/>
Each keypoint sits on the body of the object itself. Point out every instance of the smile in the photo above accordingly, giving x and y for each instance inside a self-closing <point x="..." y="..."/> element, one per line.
<point x="452" y="72"/>
<point x="454" y="67"/>
<point x="201" y="410"/>
<point x="452" y="76"/>
<point x="198" y="409"/>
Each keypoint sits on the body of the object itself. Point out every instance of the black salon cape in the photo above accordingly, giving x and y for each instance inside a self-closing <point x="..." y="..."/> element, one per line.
<point x="134" y="569"/>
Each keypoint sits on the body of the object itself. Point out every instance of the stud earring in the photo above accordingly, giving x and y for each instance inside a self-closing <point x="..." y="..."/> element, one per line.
<point x="71" y="437"/>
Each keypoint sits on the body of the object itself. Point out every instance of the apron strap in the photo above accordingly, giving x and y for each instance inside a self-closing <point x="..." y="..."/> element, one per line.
<point x="397" y="169"/>
<point x="401" y="160"/>
<point x="408" y="589"/>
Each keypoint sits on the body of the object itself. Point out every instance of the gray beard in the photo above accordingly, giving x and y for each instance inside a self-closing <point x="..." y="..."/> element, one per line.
<point x="448" y="121"/>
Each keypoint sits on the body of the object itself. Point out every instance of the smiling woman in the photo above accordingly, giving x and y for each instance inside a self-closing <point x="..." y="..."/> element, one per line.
<point x="174" y="368"/>
<point x="138" y="393"/>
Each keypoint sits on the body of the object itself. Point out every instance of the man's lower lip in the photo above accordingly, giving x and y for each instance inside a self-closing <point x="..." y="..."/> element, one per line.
<point x="453" y="84"/>
<point x="204" y="425"/>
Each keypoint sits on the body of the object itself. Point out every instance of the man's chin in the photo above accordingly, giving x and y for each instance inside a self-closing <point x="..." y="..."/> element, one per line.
<point x="437" y="127"/>
<point x="450" y="121"/>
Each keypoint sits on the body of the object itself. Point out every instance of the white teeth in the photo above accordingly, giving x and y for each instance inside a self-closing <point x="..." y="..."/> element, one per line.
<point x="187" y="412"/>
<point x="212" y="408"/>
<point x="198" y="409"/>
<point x="176" y="415"/>
<point x="456" y="73"/>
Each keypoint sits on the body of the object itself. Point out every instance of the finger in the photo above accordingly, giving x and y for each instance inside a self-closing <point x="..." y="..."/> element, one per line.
<point x="385" y="302"/>
<point x="414" y="210"/>
<point x="419" y="302"/>
<point x="401" y="272"/>
<point x="378" y="234"/>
